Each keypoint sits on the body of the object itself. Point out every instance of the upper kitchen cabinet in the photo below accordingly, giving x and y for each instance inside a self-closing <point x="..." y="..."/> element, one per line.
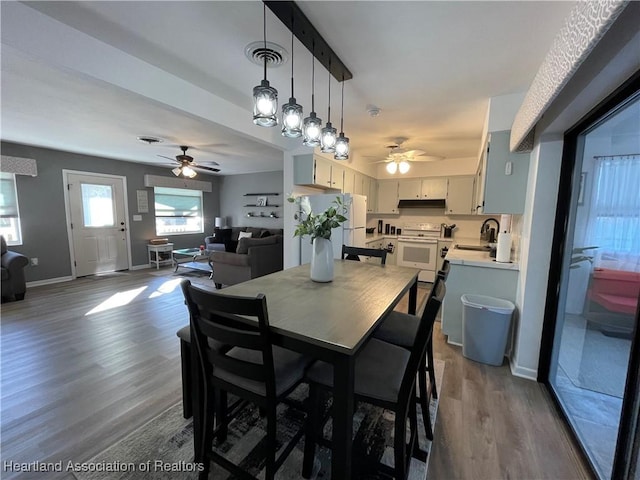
<point x="422" y="188"/>
<point x="505" y="177"/>
<point x="433" y="188"/>
<point x="314" y="171"/>
<point x="349" y="181"/>
<point x="370" y="189"/>
<point x="388" y="196"/>
<point x="460" y="196"/>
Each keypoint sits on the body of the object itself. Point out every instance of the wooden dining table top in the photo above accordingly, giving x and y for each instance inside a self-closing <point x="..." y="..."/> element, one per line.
<point x="337" y="315"/>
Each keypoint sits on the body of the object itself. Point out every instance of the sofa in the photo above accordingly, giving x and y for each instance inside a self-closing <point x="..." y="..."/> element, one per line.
<point x="14" y="284"/>
<point x="613" y="300"/>
<point x="253" y="257"/>
<point x="226" y="239"/>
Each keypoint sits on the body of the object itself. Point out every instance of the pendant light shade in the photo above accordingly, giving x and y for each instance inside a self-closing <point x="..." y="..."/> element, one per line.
<point x="392" y="167"/>
<point x="312" y="126"/>
<point x="342" y="142"/>
<point x="329" y="134"/>
<point x="292" y="112"/>
<point x="265" y="97"/>
<point x="403" y="166"/>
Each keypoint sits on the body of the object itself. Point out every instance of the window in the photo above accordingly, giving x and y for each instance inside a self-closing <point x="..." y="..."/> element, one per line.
<point x="9" y="211"/>
<point x="614" y="216"/>
<point x="178" y="211"/>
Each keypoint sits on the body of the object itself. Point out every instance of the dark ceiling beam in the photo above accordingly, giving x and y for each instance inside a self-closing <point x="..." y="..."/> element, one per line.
<point x="292" y="17"/>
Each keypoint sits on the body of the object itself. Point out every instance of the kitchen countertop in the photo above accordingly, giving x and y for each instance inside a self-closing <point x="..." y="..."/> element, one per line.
<point x="473" y="258"/>
<point x="372" y="237"/>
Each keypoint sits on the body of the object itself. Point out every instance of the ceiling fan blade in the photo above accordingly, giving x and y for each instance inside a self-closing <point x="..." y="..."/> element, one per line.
<point x="427" y="158"/>
<point x="412" y="153"/>
<point x="211" y="169"/>
<point x="169" y="158"/>
<point x="208" y="162"/>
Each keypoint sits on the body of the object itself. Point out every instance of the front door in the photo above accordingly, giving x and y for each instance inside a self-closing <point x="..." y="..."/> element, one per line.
<point x="98" y="223"/>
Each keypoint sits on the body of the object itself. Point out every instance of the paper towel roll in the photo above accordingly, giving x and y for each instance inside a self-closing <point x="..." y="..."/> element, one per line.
<point x="505" y="223"/>
<point x="503" y="250"/>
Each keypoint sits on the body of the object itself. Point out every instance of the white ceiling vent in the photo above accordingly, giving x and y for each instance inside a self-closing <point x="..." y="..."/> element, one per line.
<point x="276" y="55"/>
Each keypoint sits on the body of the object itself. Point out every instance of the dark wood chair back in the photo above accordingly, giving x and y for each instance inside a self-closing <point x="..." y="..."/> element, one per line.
<point x="443" y="273"/>
<point x="423" y="337"/>
<point x="353" y="253"/>
<point x="234" y="321"/>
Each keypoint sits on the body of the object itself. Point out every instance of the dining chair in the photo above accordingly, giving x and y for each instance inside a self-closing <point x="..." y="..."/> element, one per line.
<point x="385" y="376"/>
<point x="400" y="329"/>
<point x="353" y="253"/>
<point x="252" y="369"/>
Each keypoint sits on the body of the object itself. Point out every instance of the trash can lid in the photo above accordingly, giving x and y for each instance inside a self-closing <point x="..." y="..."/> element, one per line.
<point x="492" y="304"/>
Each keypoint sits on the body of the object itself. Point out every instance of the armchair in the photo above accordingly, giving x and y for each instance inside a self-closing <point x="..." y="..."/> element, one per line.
<point x="254" y="257"/>
<point x="13" y="281"/>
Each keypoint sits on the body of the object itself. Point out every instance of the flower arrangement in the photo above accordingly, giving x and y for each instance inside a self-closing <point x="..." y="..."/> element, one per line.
<point x="317" y="225"/>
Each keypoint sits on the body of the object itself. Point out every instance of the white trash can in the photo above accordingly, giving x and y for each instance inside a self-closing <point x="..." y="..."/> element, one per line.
<point x="485" y="327"/>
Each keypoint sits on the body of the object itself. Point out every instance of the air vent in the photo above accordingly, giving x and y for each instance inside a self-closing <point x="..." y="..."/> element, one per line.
<point x="149" y="140"/>
<point x="275" y="55"/>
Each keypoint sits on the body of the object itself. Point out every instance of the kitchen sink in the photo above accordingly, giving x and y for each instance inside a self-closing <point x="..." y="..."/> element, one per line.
<point x="477" y="248"/>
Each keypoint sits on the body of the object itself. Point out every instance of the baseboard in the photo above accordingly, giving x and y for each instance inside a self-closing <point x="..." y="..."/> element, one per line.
<point x="453" y="343"/>
<point x="140" y="267"/>
<point x="49" y="281"/>
<point x="523" y="372"/>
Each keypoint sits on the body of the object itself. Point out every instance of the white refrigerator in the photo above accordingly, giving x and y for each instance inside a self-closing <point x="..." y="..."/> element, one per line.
<point x="352" y="232"/>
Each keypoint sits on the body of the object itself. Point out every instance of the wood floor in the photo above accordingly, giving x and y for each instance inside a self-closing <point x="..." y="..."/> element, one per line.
<point x="86" y="362"/>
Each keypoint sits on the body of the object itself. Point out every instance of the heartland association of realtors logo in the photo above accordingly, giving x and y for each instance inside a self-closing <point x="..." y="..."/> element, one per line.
<point x="110" y="467"/>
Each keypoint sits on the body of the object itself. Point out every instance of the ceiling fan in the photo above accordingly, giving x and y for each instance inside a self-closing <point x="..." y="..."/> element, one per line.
<point x="187" y="165"/>
<point x="399" y="158"/>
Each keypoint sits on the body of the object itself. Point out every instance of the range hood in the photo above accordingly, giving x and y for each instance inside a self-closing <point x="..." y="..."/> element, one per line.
<point x="422" y="203"/>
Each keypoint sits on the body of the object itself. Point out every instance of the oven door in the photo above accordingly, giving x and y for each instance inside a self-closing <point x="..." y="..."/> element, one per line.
<point x="422" y="254"/>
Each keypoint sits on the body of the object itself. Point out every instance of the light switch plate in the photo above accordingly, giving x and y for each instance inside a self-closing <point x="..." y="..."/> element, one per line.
<point x="507" y="168"/>
<point x="137" y="218"/>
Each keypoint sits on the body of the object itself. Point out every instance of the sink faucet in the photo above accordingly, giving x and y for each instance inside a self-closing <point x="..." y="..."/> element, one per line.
<point x="487" y="234"/>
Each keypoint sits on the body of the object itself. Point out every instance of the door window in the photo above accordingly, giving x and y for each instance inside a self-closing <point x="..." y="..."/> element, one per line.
<point x="97" y="205"/>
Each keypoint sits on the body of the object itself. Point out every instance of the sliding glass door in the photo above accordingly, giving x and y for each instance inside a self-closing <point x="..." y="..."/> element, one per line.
<point x="597" y="281"/>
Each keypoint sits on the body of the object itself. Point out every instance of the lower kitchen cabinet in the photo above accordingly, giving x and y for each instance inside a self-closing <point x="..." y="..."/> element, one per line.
<point x="494" y="282"/>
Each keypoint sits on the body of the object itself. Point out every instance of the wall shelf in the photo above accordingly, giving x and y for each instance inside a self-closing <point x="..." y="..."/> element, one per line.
<point x="262" y="206"/>
<point x="266" y="194"/>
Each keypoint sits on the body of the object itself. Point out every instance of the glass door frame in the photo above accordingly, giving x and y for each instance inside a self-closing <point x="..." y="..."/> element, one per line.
<point x="628" y="434"/>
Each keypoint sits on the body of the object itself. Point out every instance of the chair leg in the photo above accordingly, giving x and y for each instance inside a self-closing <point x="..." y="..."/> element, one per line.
<point x="185" y="354"/>
<point x="424" y="400"/>
<point x="432" y="372"/>
<point x="270" y="467"/>
<point x="207" y="432"/>
<point x="400" y="445"/>
<point x="222" y="414"/>
<point x="310" y="431"/>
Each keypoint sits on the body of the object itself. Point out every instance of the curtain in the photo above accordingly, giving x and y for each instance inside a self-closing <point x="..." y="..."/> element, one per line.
<point x="614" y="217"/>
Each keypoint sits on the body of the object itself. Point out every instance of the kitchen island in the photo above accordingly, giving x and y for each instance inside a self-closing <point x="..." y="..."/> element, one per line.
<point x="476" y="273"/>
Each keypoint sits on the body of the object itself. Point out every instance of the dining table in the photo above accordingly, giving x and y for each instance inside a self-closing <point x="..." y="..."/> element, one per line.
<point x="331" y="322"/>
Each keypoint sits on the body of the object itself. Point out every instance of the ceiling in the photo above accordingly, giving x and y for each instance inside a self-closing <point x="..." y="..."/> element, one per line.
<point x="89" y="77"/>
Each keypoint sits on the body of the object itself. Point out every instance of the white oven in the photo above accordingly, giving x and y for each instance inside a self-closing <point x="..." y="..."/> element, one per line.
<point x="418" y="248"/>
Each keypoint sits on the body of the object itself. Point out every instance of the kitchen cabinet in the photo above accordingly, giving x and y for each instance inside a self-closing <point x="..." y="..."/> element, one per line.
<point x="433" y="188"/>
<point x="358" y="185"/>
<point x="460" y="199"/>
<point x="410" y="188"/>
<point x="349" y="181"/>
<point x="505" y="175"/>
<point x="371" y="185"/>
<point x="422" y="188"/>
<point x="388" y="196"/>
<point x="315" y="171"/>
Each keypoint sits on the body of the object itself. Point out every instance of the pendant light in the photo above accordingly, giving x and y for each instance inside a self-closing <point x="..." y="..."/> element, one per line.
<point x="403" y="167"/>
<point x="342" y="143"/>
<point x="392" y="167"/>
<point x="265" y="97"/>
<point x="328" y="137"/>
<point x="312" y="126"/>
<point x="292" y="112"/>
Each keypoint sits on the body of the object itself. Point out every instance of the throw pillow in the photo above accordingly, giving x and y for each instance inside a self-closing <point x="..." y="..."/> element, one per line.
<point x="255" y="231"/>
<point x="265" y="234"/>
<point x="242" y="235"/>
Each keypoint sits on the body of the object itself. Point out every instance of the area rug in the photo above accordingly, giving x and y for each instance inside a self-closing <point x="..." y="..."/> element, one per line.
<point x="163" y="447"/>
<point x="592" y="360"/>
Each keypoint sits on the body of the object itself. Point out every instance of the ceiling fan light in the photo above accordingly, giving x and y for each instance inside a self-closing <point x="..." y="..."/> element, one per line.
<point x="392" y="167"/>
<point x="328" y="139"/>
<point x="177" y="171"/>
<point x="311" y="130"/>
<point x="188" y="172"/>
<point x="404" y="167"/>
<point x="342" y="148"/>
<point x="265" y="105"/>
<point x="292" y="119"/>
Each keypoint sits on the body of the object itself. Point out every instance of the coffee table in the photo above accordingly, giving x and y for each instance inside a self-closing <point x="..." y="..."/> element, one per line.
<point x="192" y="258"/>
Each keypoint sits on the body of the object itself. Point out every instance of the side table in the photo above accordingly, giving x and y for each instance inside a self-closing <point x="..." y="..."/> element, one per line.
<point x="160" y="254"/>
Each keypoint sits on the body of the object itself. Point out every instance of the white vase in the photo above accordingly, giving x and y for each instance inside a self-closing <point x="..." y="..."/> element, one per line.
<point x="321" y="260"/>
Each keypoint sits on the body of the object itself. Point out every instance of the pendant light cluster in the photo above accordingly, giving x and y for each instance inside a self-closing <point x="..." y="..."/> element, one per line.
<point x="265" y="107"/>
